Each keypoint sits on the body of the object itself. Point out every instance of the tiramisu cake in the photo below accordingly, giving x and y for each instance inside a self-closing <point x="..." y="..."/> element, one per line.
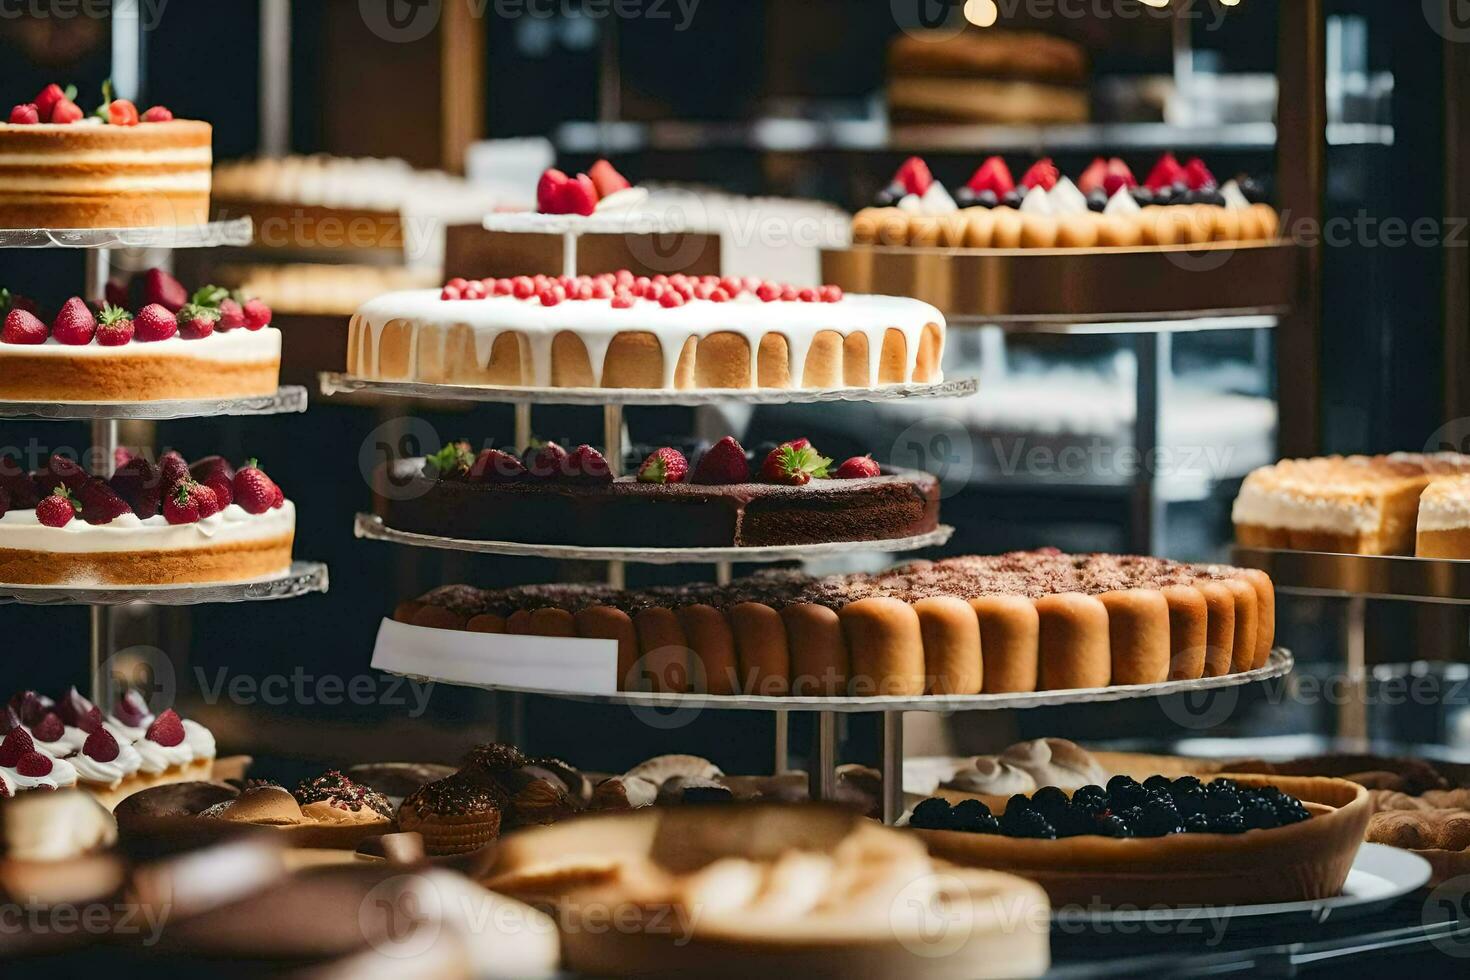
<point x="550" y="495"/>
<point x="148" y="340"/>
<point x="1365" y="505"/>
<point x="153" y="522"/>
<point x="1030" y="621"/>
<point x="117" y="168"/>
<point x="618" y="330"/>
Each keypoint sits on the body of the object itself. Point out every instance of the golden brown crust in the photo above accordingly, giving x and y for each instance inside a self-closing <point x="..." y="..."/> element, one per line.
<point x="607" y="623"/>
<point x="663" y="650"/>
<point x="1220" y="640"/>
<point x="1138" y="635"/>
<point x="886" y="644"/>
<point x="760" y="646"/>
<point x="1189" y="632"/>
<point x="819" y="659"/>
<point x="132" y="378"/>
<point x="1074" y="650"/>
<point x="950" y="633"/>
<point x="1010" y="634"/>
<point x="712" y="641"/>
<point x="235" y="562"/>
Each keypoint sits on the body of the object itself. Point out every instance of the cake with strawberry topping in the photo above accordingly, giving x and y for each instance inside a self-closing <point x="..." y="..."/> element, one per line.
<point x="117" y="168"/>
<point x="618" y="330"/>
<point x="601" y="190"/>
<point x="790" y="495"/>
<point x="148" y="340"/>
<point x="153" y="522"/>
<point x="1105" y="207"/>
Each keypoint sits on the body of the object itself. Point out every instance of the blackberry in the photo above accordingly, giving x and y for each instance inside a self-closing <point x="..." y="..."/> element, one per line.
<point x="1030" y="824"/>
<point x="1186" y="784"/>
<point x="1048" y="800"/>
<point x="1197" y="823"/>
<point x="1013" y="199"/>
<point x="1072" y="821"/>
<point x="1259" y="816"/>
<point x="1124" y="792"/>
<point x="1192" y="803"/>
<point x="1157" y="783"/>
<point x="932" y="814"/>
<point x="1158" y="821"/>
<point x="1111" y="826"/>
<point x="970" y="816"/>
<point x="1091" y="799"/>
<point x="1229" y="823"/>
<point x="1219" y="804"/>
<point x="964" y="197"/>
<point x="1291" y="811"/>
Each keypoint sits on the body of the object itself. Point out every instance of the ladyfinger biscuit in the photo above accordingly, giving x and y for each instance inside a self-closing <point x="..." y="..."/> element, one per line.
<point x="439" y="618"/>
<point x="1265" y="613"/>
<point x="518" y="623"/>
<point x="1009" y="635"/>
<point x="1138" y="635"/>
<point x="886" y="646"/>
<point x="1038" y="231"/>
<point x="663" y="650"/>
<point x="893" y="227"/>
<point x="1227" y="226"/>
<point x="1189" y="620"/>
<point x="1077" y="231"/>
<point x="1243" y="653"/>
<point x="552" y="622"/>
<point x="1117" y="231"/>
<point x="819" y="661"/>
<point x="1267" y="221"/>
<point x="608" y="623"/>
<point x="865" y="226"/>
<point x="486" y="623"/>
<point x="761" y="650"/>
<point x="1074" y="642"/>
<point x="406" y="610"/>
<point x="924" y="231"/>
<point x="952" y="229"/>
<point x="979" y="227"/>
<point x="713" y="644"/>
<point x="951" y="635"/>
<point x="1007" y="230"/>
<point x="1220" y="642"/>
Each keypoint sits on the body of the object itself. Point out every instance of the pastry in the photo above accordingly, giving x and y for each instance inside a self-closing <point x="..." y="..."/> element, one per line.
<point x="551" y="496"/>
<point x="333" y="798"/>
<point x="1044" y="620"/>
<point x="989" y="76"/>
<point x="154" y="522"/>
<point x="1440" y="836"/>
<point x="1444" y="519"/>
<point x="455" y="815"/>
<point x="396" y="780"/>
<point x="1366" y="505"/>
<point x="622" y="331"/>
<point x="131" y="171"/>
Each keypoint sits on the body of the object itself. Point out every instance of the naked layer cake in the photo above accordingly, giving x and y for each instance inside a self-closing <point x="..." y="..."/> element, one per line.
<point x="153" y="522"/>
<point x="1011" y="623"/>
<point x="623" y="331"/>
<point x="996" y="76"/>
<point x="1366" y="505"/>
<point x="551" y="496"/>
<point x="114" y="169"/>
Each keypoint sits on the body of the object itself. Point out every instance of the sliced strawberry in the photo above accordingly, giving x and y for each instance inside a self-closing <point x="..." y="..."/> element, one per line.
<point x="74" y="325"/>
<point x="1093" y="177"/>
<point x="587" y="465"/>
<point x="100" y="503"/>
<point x="1166" y="173"/>
<point x="1043" y="174"/>
<point x="794" y="464"/>
<point x="100" y="746"/>
<point x="139" y="482"/>
<point x="606" y="179"/>
<point x="857" y="468"/>
<point x="914" y="175"/>
<point x="548" y="191"/>
<point x="666" y="465"/>
<point x="167" y="729"/>
<point x="722" y="464"/>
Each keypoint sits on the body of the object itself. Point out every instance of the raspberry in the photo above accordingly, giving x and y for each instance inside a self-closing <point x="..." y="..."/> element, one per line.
<point x="167" y="729"/>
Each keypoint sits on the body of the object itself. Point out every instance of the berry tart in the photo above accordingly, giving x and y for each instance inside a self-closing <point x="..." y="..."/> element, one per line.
<point x="618" y="330"/>
<point x="1027" y="621"/>
<point x="117" y="168"/>
<point x="549" y="495"/>
<point x="1106" y="207"/>
<point x="153" y="522"/>
<point x="149" y="340"/>
<point x="1234" y="840"/>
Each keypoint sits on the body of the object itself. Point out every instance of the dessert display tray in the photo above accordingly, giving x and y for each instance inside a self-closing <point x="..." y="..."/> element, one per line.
<point x="1077" y="285"/>
<point x="335" y="383"/>
<point x="288" y="400"/>
<point x="626" y="222"/>
<point x="236" y="232"/>
<point x="372" y="527"/>
<point x="304" y="578"/>
<point x="1368" y="576"/>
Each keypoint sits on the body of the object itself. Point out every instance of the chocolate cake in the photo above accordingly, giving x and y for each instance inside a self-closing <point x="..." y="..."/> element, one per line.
<point x="627" y="513"/>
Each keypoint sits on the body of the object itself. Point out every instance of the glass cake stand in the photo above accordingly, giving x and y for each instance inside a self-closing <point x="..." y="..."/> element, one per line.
<point x="287" y="400"/>
<point x="236" y="232"/>
<point x="304" y="578"/>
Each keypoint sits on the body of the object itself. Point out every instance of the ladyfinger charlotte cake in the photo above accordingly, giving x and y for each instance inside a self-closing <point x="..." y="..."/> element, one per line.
<point x="160" y="522"/>
<point x="148" y="340"/>
<point x="117" y="168"/>
<point x="1030" y="621"/>
<point x="618" y="330"/>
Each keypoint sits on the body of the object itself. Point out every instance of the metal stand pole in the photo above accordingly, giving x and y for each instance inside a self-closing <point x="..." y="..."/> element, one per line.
<point x="523" y="426"/>
<point x="612" y="448"/>
<point x="275" y="78"/>
<point x="1352" y="717"/>
<point x="892" y="766"/>
<point x="822" y="780"/>
<point x="98" y="264"/>
<point x="1154" y="354"/>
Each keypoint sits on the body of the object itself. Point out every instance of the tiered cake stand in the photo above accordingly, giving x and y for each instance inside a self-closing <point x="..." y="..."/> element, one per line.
<point x="303" y="578"/>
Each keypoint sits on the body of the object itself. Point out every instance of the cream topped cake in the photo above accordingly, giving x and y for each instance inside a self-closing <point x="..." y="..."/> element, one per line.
<point x="1444" y="519"/>
<point x="623" y="331"/>
<point x="1365" y="505"/>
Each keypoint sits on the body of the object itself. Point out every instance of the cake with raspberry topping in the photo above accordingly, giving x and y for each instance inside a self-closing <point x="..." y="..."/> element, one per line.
<point x="148" y="340"/>
<point x="117" y="168"/>
<point x="153" y="522"/>
<point x="549" y="495"/>
<point x="618" y="330"/>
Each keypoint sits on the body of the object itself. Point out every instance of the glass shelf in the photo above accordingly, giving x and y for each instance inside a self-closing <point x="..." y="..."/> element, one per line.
<point x="237" y="232"/>
<point x="304" y="578"/>
<point x="288" y="400"/>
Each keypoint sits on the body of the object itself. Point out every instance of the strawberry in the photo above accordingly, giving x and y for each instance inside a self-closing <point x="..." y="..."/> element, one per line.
<point x="207" y="499"/>
<point x="56" y="510"/>
<point x="1198" y="176"/>
<point x="280" y="499"/>
<point x="158" y="114"/>
<point x="34" y="765"/>
<point x="186" y="503"/>
<point x="547" y="461"/>
<point x="122" y="112"/>
<point x="548" y="191"/>
<point x="100" y="503"/>
<point x="25" y="114"/>
<point x="497" y="466"/>
<point x="203" y="469"/>
<point x="1092" y="178"/>
<point x="48" y="99"/>
<point x="258" y="315"/>
<point x="196" y="322"/>
<point x="67" y="112"/>
<point x="75" y="324"/>
<point x="994" y="176"/>
<point x="666" y="465"/>
<point x="794" y="465"/>
<point x="172" y="470"/>
<point x="161" y="288"/>
<point x="857" y="468"/>
<point x="231" y="316"/>
<point x="154" y="322"/>
<point x="577" y="196"/>
<point x="1119" y="175"/>
<point x="1166" y="173"/>
<point x="606" y="179"/>
<point x="1043" y="174"/>
<point x="101" y="746"/>
<point x="139" y="483"/>
<point x="132" y="710"/>
<point x="115" y="326"/>
<point x="167" y="729"/>
<point x="23" y="327"/>
<point x="74" y="708"/>
<point x="254" y="491"/>
<point x="31" y="706"/>
<point x="49" y="728"/>
<point x="588" y="465"/>
<point x="118" y="293"/>
<point x="63" y="471"/>
<point x="16" y="483"/>
<point x="17" y="743"/>
<point x="723" y="463"/>
<point x="914" y="175"/>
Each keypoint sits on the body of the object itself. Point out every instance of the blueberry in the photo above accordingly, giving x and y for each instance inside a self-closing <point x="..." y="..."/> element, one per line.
<point x="987" y="199"/>
<point x="1259" y="816"/>
<point x="890" y="195"/>
<point x="1197" y="823"/>
<point x="970" y="815"/>
<point x="1143" y="196"/>
<point x="1030" y="824"/>
<point x="1164" y="195"/>
<point x="964" y="197"/>
<point x="1013" y="199"/>
<point x="1212" y="195"/>
<point x="1186" y="784"/>
<point x="1229" y="823"/>
<point x="932" y="814"/>
<point x="1111" y="826"/>
<point x="1048" y="800"/>
<point x="1158" y="783"/>
<point x="1097" y="201"/>
<point x="1091" y="799"/>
